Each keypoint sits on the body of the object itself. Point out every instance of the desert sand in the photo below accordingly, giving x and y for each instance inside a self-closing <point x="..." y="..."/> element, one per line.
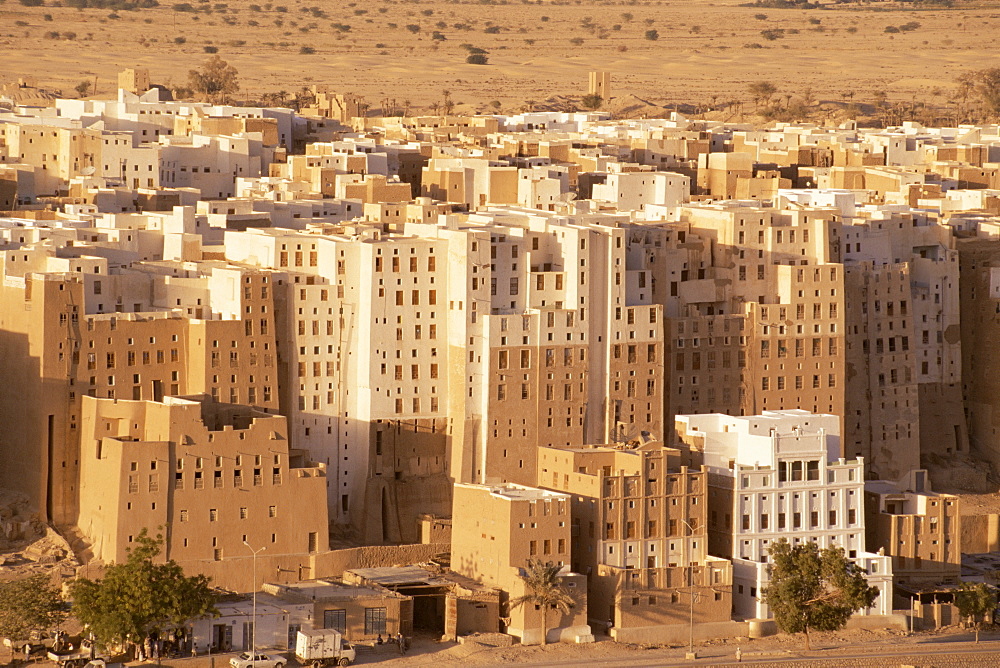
<point x="705" y="51"/>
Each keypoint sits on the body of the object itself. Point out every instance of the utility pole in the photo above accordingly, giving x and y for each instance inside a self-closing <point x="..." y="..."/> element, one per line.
<point x="690" y="566"/>
<point x="253" y="629"/>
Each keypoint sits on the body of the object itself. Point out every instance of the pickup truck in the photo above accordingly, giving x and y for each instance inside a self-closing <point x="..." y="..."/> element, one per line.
<point x="323" y="647"/>
<point x="76" y="658"/>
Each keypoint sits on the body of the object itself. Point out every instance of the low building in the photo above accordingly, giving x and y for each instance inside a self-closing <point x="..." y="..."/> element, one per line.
<point x="445" y="604"/>
<point x="277" y="621"/>
<point x="360" y="612"/>
<point x="496" y="530"/>
<point x="639" y="534"/>
<point x="776" y="476"/>
<point x="918" y="528"/>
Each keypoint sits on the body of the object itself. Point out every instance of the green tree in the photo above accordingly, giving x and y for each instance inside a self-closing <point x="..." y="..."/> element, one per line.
<point x="82" y="88"/>
<point x="814" y="589"/>
<point x="29" y="604"/>
<point x="544" y="590"/>
<point x="987" y="84"/>
<point x="139" y="596"/>
<point x="762" y="91"/>
<point x="592" y="101"/>
<point x="215" y="78"/>
<point x="976" y="601"/>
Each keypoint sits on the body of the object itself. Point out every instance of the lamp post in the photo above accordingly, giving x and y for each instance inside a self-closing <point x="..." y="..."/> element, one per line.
<point x="253" y="630"/>
<point x="687" y="552"/>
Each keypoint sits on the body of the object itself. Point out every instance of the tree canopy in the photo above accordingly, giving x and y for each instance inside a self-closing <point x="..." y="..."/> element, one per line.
<point x="813" y="589"/>
<point x="762" y="91"/>
<point x="975" y="601"/>
<point x="139" y="596"/>
<point x="986" y="83"/>
<point x="29" y="604"/>
<point x="544" y="590"/>
<point x="215" y="78"/>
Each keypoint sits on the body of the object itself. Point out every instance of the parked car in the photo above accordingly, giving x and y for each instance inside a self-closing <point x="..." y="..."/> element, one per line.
<point x="258" y="660"/>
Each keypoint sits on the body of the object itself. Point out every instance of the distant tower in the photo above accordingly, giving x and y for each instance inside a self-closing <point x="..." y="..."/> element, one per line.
<point x="600" y="84"/>
<point x="135" y="81"/>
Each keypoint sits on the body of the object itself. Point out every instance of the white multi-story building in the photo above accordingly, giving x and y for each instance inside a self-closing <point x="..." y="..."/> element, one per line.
<point x="780" y="475"/>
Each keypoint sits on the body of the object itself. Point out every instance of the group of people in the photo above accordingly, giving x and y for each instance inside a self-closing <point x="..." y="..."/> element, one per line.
<point x="398" y="639"/>
<point x="155" y="646"/>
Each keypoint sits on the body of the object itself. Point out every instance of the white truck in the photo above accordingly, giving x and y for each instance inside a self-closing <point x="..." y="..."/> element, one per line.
<point x="323" y="647"/>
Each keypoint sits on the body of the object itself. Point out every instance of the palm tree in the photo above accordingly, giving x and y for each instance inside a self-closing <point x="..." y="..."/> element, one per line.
<point x="544" y="590"/>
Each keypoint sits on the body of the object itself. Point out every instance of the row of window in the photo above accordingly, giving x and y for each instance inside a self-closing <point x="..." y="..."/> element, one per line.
<point x="375" y="621"/>
<point x="765" y="520"/>
<point x="213" y="514"/>
<point x="416" y="404"/>
<point x="831" y="381"/>
<point x="431" y="264"/>
<point x="799" y="348"/>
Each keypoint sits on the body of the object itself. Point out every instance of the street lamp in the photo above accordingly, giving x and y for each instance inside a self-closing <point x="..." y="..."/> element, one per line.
<point x="687" y="553"/>
<point x="253" y="631"/>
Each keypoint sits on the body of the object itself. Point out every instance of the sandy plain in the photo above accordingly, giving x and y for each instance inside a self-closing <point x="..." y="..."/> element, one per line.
<point x="536" y="50"/>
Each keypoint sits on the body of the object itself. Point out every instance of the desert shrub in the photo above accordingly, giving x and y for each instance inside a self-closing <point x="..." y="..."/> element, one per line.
<point x="492" y="30"/>
<point x="652" y="35"/>
<point x="413" y="27"/>
<point x="210" y="49"/>
<point x="307" y="50"/>
<point x="52" y="34"/>
<point x="180" y="40"/>
<point x="771" y="35"/>
<point x="477" y="59"/>
<point x="760" y="17"/>
<point x="32" y="3"/>
<point x="47" y="17"/>
<point x="576" y="41"/>
<point x="891" y="29"/>
<point x="438" y="36"/>
<point x="753" y="45"/>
